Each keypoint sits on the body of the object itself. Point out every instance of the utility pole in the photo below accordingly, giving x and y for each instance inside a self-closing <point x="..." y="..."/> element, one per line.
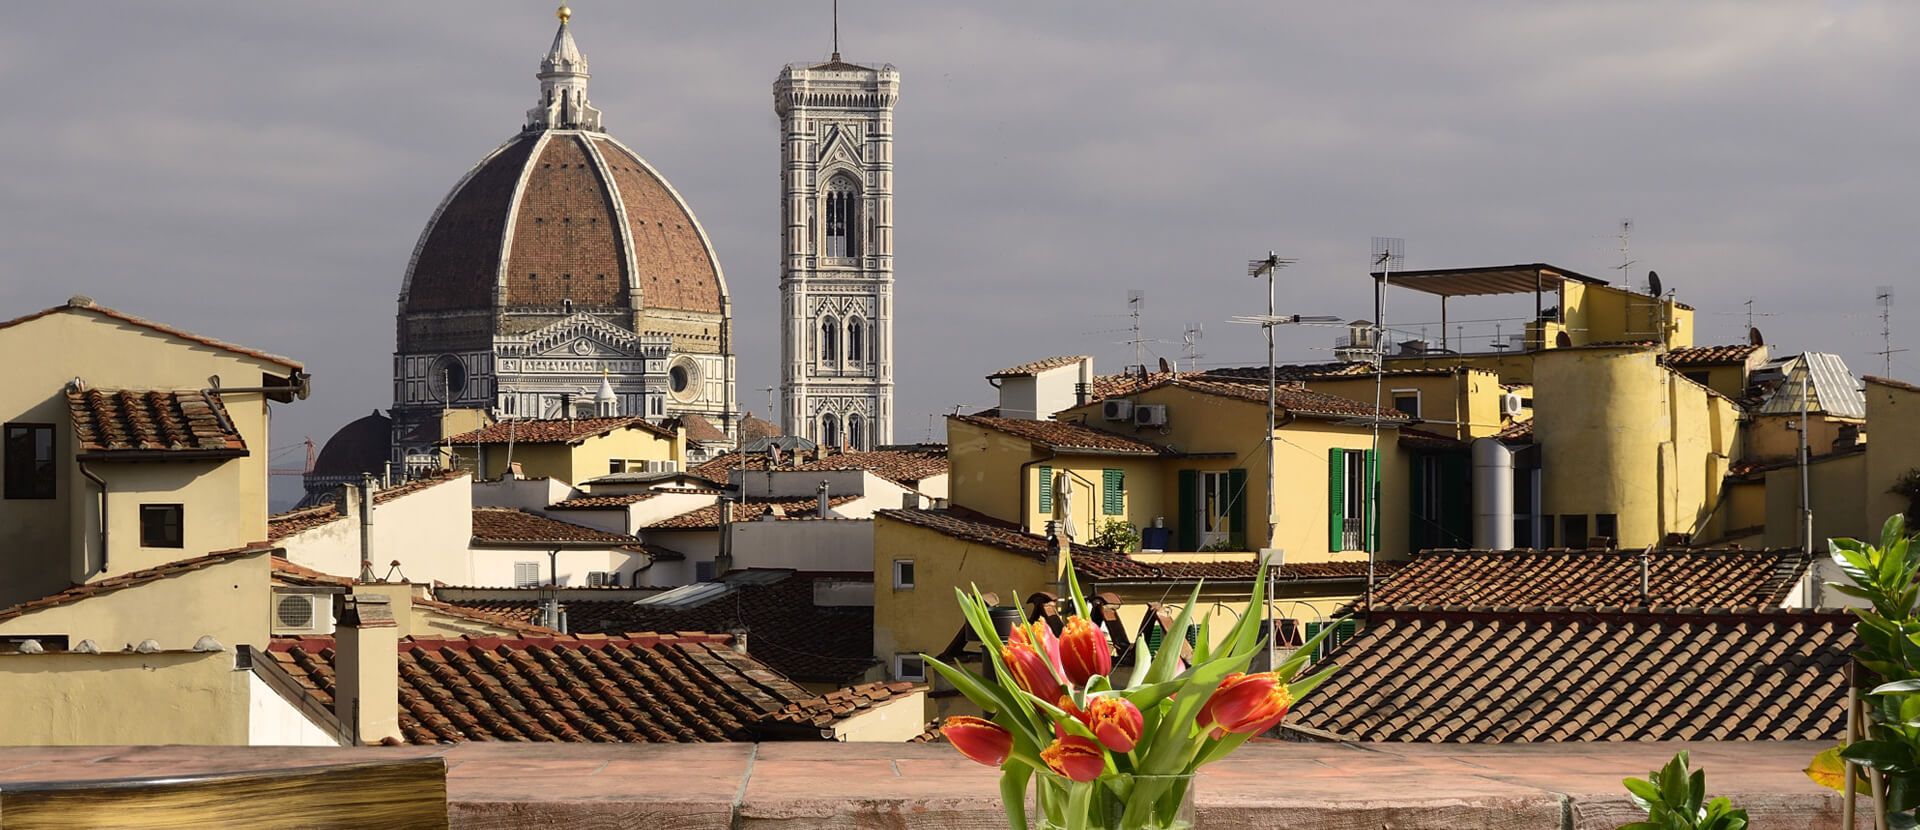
<point x="1806" y="482"/>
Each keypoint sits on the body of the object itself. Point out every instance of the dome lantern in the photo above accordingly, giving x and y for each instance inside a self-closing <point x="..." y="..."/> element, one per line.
<point x="563" y="85"/>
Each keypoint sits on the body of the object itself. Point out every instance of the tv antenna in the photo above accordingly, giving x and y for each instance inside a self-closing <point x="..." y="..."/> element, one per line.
<point x="1388" y="253"/>
<point x="1625" y="238"/>
<point x="769" y="390"/>
<point x="1137" y="303"/>
<point x="1883" y="296"/>
<point x="1190" y="342"/>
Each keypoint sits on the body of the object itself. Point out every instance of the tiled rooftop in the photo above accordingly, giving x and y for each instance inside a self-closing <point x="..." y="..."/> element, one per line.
<point x="1709" y="355"/>
<point x="1038" y="366"/>
<point x="133" y="578"/>
<point x="1294" y="399"/>
<point x="1064" y="436"/>
<point x="1896" y="384"/>
<point x="115" y="422"/>
<point x="1595" y="577"/>
<point x="553" y="430"/>
<point x="88" y="305"/>
<point x="282" y="525"/>
<point x="701" y="429"/>
<point x="589" y="502"/>
<point x="786" y="630"/>
<point x="508" y="526"/>
<point x="1447" y="674"/>
<point x="646" y="688"/>
<point x="708" y="518"/>
<point x="901" y="466"/>
<point x="823" y="711"/>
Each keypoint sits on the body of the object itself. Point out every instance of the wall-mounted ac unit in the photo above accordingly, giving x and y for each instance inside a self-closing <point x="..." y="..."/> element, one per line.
<point x="663" y="466"/>
<point x="1154" y="415"/>
<point x="1512" y="404"/>
<point x="296" y="614"/>
<point x="603" y="579"/>
<point x="1116" y="410"/>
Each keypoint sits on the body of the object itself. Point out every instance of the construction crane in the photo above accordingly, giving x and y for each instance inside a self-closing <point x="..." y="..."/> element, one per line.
<point x="295" y="471"/>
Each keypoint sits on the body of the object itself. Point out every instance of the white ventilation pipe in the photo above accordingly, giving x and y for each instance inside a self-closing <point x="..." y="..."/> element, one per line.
<point x="1492" y="495"/>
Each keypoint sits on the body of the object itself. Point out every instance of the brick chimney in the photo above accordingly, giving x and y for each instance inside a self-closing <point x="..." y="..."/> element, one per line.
<point x="366" y="669"/>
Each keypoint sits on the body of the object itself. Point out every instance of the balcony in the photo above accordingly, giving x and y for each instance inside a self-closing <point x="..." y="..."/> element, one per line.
<point x="815" y="786"/>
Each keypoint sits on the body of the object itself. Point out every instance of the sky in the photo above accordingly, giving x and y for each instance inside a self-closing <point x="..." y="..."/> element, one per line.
<point x="260" y="172"/>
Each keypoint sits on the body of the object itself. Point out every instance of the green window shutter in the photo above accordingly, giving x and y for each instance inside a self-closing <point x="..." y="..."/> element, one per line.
<point x="1420" y="526"/>
<point x="1336" y="507"/>
<point x="1046" y="489"/>
<point x="1371" y="522"/>
<point x="1113" y="492"/>
<point x="1155" y="636"/>
<point x="1187" y="524"/>
<point x="1237" y="509"/>
<point x="1456" y="500"/>
<point x="1193" y="636"/>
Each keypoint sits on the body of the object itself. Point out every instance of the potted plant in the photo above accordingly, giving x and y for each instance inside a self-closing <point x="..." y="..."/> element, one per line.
<point x="1101" y="752"/>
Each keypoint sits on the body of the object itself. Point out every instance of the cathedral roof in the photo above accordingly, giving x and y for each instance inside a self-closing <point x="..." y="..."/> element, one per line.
<point x="359" y="447"/>
<point x="563" y="214"/>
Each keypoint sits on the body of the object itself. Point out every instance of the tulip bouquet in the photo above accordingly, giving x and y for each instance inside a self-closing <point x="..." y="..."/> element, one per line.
<point x="1109" y="753"/>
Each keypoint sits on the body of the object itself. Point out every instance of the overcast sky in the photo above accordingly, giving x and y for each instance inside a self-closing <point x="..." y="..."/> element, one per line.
<point x="260" y="172"/>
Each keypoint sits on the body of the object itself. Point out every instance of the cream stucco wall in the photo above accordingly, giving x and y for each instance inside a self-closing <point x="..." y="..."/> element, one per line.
<point x="576" y="462"/>
<point x="1464" y="404"/>
<point x="1835" y="484"/>
<point x="831" y="545"/>
<point x="1773" y="438"/>
<point x="229" y="600"/>
<point x="898" y="720"/>
<point x="924" y="618"/>
<point x="45" y="544"/>
<point x="1893" y="448"/>
<point x="429" y="531"/>
<point x="274" y="721"/>
<point x="170" y="697"/>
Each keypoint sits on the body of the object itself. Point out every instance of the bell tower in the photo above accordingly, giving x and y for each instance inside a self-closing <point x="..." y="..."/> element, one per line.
<point x="836" y="272"/>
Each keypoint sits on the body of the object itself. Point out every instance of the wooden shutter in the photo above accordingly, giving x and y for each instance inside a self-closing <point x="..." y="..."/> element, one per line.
<point x="1237" y="509"/>
<point x="1369" y="518"/>
<point x="1456" y="500"/>
<point x="1046" y="490"/>
<point x="1113" y="492"/>
<point x="1187" y="525"/>
<point x="1336" y="507"/>
<point x="1420" y="526"/>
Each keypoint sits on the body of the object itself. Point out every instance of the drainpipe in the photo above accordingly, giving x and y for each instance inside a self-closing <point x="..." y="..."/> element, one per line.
<point x="1646" y="580"/>
<point x="102" y="484"/>
<point x="366" y="525"/>
<point x="1023" y="487"/>
<point x="822" y="493"/>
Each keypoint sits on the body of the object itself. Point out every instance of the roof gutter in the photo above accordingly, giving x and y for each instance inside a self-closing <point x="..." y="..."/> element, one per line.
<point x="1051" y="455"/>
<point x="81" y="462"/>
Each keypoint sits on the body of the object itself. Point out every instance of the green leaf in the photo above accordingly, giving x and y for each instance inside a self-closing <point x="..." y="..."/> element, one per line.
<point x="1879" y="754"/>
<point x="1644" y="793"/>
<point x="1896" y="687"/>
<point x="1164" y="663"/>
<point x="983" y="694"/>
<point x="1013" y="795"/>
<point x="1142" y="659"/>
<point x="1080" y="607"/>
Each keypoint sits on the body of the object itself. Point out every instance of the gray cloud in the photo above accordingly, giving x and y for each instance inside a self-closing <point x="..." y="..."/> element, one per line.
<point x="260" y="172"/>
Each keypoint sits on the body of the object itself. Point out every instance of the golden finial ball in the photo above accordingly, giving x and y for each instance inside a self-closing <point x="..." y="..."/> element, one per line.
<point x="563" y="13"/>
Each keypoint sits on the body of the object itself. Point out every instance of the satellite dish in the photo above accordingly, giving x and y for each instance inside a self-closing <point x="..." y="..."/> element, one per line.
<point x="1563" y="341"/>
<point x="1164" y="367"/>
<point x="1653" y="283"/>
<point x="1754" y="338"/>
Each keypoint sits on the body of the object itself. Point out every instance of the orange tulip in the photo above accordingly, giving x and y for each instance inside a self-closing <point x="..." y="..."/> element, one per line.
<point x="1075" y="757"/>
<point x="1048" y="644"/>
<point x="1084" y="651"/>
<point x="1116" y="721"/>
<point x="1030" y="670"/>
<point x="979" y="739"/>
<point x="1246" y="703"/>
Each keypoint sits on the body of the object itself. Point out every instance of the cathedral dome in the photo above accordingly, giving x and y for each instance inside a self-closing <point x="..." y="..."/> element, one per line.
<point x="563" y="216"/>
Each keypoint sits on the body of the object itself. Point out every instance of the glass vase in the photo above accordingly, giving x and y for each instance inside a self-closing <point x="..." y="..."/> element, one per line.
<point x="1116" y="802"/>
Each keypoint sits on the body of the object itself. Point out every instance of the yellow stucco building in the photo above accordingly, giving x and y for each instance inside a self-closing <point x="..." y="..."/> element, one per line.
<point x="572" y="450"/>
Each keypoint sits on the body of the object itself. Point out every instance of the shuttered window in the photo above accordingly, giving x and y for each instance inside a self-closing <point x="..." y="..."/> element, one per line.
<point x="1351" y="523"/>
<point x="526" y="574"/>
<point x="1113" y="492"/>
<point x="1046" y="489"/>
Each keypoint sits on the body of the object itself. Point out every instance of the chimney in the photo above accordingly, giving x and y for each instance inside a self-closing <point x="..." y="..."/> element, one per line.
<point x="739" y="636"/>
<point x="824" y="501"/>
<point x="366" y="668"/>
<point x="366" y="517"/>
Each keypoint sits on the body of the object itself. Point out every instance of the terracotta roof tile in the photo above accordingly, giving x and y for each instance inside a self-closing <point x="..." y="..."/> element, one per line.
<point x="591" y="502"/>
<point x="1125" y="383"/>
<point x="708" y="518"/>
<point x="1596" y="577"/>
<point x="509" y="622"/>
<point x="1897" y="384"/>
<point x="1518" y="432"/>
<point x="506" y="525"/>
<point x="824" y="711"/>
<point x="1038" y="366"/>
<point x="900" y="466"/>
<point x="83" y="304"/>
<point x="132" y="579"/>
<point x="640" y="689"/>
<point x="1532" y="674"/>
<point x="110" y="422"/>
<point x="1709" y="355"/>
<point x="786" y="630"/>
<point x="1295" y="399"/>
<point x="701" y="429"/>
<point x="1061" y="435"/>
<point x="553" y="430"/>
<point x="288" y="573"/>
<point x="753" y="428"/>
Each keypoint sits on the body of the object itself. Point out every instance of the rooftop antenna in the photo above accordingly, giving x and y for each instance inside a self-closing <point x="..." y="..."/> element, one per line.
<point x="1883" y="296"/>
<point x="769" y="390"/>
<point x="1388" y="253"/>
<point x="1625" y="237"/>
<point x="836" y="29"/>
<point x="1137" y="303"/>
<point x="1191" y="341"/>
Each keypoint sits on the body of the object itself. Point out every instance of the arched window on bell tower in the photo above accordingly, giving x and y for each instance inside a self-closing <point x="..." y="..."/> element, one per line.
<point x="829" y="340"/>
<point x="856" y="342"/>
<point x="856" y="432"/>
<point x="829" y="431"/>
<point x="843" y="217"/>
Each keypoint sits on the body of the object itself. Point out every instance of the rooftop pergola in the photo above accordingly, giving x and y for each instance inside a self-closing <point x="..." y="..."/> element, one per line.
<point x="1536" y="278"/>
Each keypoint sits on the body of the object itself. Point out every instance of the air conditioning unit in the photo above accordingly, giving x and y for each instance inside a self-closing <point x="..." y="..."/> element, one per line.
<point x="1116" y="410"/>
<point x="1154" y="415"/>
<point x="296" y="614"/>
<point x="663" y="466"/>
<point x="1512" y="404"/>
<point x="603" y="579"/>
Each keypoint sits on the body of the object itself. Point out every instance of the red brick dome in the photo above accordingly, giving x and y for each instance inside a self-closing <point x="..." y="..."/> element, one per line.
<point x="563" y="217"/>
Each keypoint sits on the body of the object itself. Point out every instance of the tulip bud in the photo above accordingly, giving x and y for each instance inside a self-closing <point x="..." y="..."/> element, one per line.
<point x="1031" y="671"/>
<point x="1246" y="704"/>
<point x="1048" y="644"/>
<point x="979" y="739"/>
<point x="1076" y="757"/>
<point x="1116" y="722"/>
<point x="1084" y="651"/>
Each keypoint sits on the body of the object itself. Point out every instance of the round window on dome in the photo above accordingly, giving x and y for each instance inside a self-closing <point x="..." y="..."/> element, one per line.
<point x="447" y="378"/>
<point x="682" y="378"/>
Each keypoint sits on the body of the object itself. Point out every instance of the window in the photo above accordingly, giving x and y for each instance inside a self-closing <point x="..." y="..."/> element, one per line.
<point x="1607" y="525"/>
<point x="160" y="526"/>
<point x="1700" y="377"/>
<point x="909" y="667"/>
<point x="829" y="431"/>
<point x="1046" y="490"/>
<point x="856" y="340"/>
<point x="1546" y="531"/>
<point x="829" y="340"/>
<point x="29" y="461"/>
<point x="1343" y="631"/>
<point x="903" y="573"/>
<point x="704" y="571"/>
<point x="856" y="431"/>
<point x="615" y="465"/>
<point x="1113" y="492"/>
<point x="1573" y="531"/>
<point x="1407" y="401"/>
<point x="843" y="217"/>
<point x="526" y="574"/>
<point x="677" y="378"/>
<point x="1350" y="524"/>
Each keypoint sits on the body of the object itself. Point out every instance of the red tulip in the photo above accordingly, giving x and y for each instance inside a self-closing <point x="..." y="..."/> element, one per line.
<point x="1116" y="721"/>
<point x="1084" y="651"/>
<point x="1075" y="757"/>
<point x="979" y="739"/>
<point x="1031" y="671"/>
<point x="1049" y="645"/>
<point x="1246" y="703"/>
